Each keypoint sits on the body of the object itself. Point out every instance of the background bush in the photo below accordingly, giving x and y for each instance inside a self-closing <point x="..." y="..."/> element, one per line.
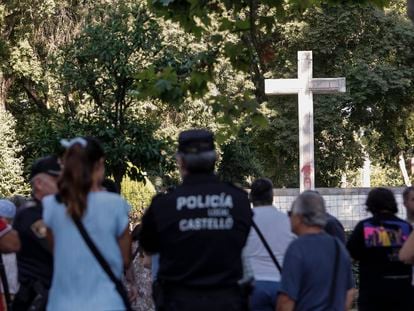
<point x="138" y="194"/>
<point x="11" y="164"/>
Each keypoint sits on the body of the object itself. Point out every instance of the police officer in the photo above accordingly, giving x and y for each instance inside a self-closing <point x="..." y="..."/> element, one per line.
<point x="199" y="230"/>
<point x="35" y="260"/>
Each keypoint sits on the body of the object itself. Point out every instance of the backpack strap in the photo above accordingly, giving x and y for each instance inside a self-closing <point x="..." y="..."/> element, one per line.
<point x="331" y="300"/>
<point x="103" y="263"/>
<point x="266" y="245"/>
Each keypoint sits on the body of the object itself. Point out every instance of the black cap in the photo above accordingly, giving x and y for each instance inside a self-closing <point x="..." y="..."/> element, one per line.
<point x="47" y="165"/>
<point x="195" y="141"/>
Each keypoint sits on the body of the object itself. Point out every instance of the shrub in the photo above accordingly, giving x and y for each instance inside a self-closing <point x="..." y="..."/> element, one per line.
<point x="11" y="164"/>
<point x="138" y="194"/>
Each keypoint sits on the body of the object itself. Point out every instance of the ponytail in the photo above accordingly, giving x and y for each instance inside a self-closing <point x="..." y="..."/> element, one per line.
<point x="76" y="181"/>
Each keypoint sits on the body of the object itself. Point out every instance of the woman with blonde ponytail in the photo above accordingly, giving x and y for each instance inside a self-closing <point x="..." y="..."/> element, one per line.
<point x="79" y="282"/>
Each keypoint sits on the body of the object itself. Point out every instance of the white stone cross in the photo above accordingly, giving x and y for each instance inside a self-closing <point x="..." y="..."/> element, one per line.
<point x="305" y="86"/>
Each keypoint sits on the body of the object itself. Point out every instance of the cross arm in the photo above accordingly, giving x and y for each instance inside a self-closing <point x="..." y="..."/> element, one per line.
<point x="328" y="85"/>
<point x="282" y="86"/>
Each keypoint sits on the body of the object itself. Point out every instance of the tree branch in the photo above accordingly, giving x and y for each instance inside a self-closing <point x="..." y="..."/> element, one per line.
<point x="33" y="95"/>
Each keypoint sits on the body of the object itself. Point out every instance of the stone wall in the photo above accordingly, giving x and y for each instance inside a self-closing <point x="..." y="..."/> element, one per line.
<point x="347" y="204"/>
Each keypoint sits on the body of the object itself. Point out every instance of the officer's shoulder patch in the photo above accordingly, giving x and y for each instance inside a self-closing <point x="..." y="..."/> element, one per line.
<point x="39" y="229"/>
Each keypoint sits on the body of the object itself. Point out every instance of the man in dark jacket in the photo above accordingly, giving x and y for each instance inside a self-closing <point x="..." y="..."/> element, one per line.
<point x="199" y="230"/>
<point x="35" y="260"/>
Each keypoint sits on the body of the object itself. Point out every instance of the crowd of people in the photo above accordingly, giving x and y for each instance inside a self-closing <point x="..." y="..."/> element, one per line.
<point x="204" y="245"/>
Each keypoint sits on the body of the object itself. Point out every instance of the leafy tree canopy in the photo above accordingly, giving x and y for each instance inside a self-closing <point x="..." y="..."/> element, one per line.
<point x="11" y="164"/>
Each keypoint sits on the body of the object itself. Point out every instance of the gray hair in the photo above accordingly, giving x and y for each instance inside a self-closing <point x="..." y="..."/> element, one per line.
<point x="311" y="206"/>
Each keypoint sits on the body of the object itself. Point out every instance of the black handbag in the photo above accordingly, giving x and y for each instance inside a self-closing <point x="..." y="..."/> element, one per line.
<point x="104" y="264"/>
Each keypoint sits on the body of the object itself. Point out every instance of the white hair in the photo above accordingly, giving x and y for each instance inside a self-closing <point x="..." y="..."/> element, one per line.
<point x="311" y="206"/>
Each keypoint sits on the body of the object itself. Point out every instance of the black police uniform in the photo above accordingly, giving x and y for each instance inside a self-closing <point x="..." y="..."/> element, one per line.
<point x="34" y="260"/>
<point x="199" y="230"/>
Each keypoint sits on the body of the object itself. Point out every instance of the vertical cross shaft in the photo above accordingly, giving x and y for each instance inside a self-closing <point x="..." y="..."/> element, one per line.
<point x="306" y="136"/>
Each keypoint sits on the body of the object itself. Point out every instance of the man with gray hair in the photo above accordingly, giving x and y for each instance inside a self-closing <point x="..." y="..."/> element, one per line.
<point x="317" y="271"/>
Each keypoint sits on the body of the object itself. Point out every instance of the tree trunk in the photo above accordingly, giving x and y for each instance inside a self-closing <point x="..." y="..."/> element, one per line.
<point x="5" y="84"/>
<point x="33" y="95"/>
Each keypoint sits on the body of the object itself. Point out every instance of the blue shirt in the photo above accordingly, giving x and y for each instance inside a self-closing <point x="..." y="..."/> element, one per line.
<point x="308" y="273"/>
<point x="79" y="282"/>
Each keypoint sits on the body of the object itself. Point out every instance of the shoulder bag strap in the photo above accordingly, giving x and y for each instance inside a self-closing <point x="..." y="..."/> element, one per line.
<point x="5" y="283"/>
<point x="135" y="254"/>
<point x="334" y="276"/>
<point x="266" y="245"/>
<point x="104" y="264"/>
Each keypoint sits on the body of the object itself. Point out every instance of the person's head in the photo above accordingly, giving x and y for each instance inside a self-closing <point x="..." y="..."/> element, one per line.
<point x="83" y="171"/>
<point x="43" y="177"/>
<point x="308" y="211"/>
<point x="408" y="199"/>
<point x="261" y="193"/>
<point x="7" y="210"/>
<point x="196" y="152"/>
<point x="380" y="201"/>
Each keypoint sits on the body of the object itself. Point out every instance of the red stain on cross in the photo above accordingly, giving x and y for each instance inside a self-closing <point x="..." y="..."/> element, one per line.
<point x="307" y="176"/>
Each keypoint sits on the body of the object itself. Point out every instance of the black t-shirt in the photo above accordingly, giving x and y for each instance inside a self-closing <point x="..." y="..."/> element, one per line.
<point x="199" y="230"/>
<point x="375" y="243"/>
<point x="34" y="260"/>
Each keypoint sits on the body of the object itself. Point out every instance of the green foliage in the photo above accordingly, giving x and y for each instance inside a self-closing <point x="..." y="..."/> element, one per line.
<point x="119" y="42"/>
<point x="30" y="32"/>
<point x="233" y="15"/>
<point x="277" y="145"/>
<point x="389" y="176"/>
<point x="11" y="164"/>
<point x="239" y="163"/>
<point x="98" y="70"/>
<point x="138" y="195"/>
<point x="136" y="145"/>
<point x="378" y="65"/>
<point x="114" y="70"/>
<point x="372" y="49"/>
<point x="381" y="176"/>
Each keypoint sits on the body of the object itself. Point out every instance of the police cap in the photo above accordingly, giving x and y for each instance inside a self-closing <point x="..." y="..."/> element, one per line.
<point x="47" y="165"/>
<point x="195" y="141"/>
